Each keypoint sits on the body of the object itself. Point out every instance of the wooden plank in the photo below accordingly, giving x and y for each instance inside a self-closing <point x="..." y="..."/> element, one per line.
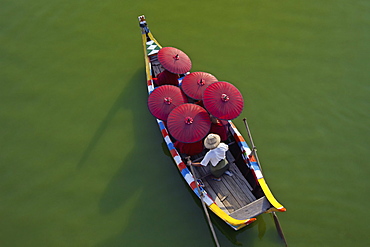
<point x="156" y="66"/>
<point x="239" y="178"/>
<point x="210" y="191"/>
<point x="251" y="210"/>
<point x="222" y="205"/>
<point x="225" y="206"/>
<point x="242" y="182"/>
<point x="231" y="193"/>
<point x="202" y="171"/>
<point x="226" y="203"/>
<point x="215" y="197"/>
<point x="236" y="190"/>
<point x="222" y="193"/>
<point x="222" y="190"/>
<point x="208" y="188"/>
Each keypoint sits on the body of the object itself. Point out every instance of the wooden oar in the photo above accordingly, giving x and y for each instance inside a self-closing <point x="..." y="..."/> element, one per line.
<point x="254" y="151"/>
<point x="204" y="205"/>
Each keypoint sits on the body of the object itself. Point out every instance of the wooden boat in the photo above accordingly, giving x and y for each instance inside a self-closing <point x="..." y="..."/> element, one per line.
<point x="236" y="199"/>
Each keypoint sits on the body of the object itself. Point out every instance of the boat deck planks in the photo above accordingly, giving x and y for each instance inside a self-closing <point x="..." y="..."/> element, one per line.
<point x="156" y="66"/>
<point x="231" y="193"/>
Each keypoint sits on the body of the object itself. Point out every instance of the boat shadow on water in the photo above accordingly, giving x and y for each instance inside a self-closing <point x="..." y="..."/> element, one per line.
<point x="124" y="101"/>
<point x="122" y="188"/>
<point x="128" y="183"/>
<point x="131" y="195"/>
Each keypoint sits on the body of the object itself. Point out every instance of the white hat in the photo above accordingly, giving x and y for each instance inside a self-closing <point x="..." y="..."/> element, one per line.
<point x="212" y="141"/>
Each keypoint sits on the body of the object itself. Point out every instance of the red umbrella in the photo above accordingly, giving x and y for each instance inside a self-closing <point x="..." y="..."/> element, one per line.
<point x="189" y="123"/>
<point x="223" y="100"/>
<point x="174" y="60"/>
<point x="195" y="83"/>
<point x="164" y="99"/>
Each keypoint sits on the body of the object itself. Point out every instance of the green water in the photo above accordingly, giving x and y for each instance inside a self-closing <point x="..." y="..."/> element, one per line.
<point x="82" y="161"/>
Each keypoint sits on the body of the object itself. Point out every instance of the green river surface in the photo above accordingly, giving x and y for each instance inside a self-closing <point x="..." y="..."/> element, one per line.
<point x="82" y="162"/>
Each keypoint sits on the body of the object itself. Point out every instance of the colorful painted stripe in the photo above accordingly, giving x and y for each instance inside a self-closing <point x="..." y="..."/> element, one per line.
<point x="152" y="47"/>
<point x="246" y="151"/>
<point x="270" y="196"/>
<point x="254" y="166"/>
<point x="181" y="165"/>
<point x="235" y="223"/>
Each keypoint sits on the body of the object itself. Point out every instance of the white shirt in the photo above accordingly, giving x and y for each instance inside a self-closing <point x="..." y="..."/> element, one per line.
<point x="215" y="155"/>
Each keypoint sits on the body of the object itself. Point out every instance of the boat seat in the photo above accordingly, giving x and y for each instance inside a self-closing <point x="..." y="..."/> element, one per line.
<point x="257" y="207"/>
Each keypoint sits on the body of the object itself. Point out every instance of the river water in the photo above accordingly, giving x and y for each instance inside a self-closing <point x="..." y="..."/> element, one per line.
<point x="82" y="162"/>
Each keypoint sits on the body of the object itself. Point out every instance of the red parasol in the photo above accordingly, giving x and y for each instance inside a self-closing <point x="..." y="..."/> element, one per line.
<point x="195" y="83"/>
<point x="189" y="123"/>
<point x="164" y="99"/>
<point x="166" y="77"/>
<point x="223" y="100"/>
<point x="174" y="60"/>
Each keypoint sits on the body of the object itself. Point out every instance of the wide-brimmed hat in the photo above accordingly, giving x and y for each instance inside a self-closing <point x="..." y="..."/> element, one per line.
<point x="212" y="141"/>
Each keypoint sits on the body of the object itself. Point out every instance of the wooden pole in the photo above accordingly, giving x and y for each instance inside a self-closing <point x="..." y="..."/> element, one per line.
<point x="204" y="205"/>
<point x="254" y="151"/>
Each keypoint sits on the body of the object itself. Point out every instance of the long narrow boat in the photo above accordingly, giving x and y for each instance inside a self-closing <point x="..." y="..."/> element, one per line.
<point x="236" y="199"/>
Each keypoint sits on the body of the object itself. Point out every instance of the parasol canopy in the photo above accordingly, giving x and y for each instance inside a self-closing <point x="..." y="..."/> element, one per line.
<point x="174" y="60"/>
<point x="223" y="100"/>
<point x="164" y="99"/>
<point x="195" y="83"/>
<point x="188" y="123"/>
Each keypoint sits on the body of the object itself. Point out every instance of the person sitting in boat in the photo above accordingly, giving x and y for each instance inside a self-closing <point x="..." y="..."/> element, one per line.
<point x="219" y="127"/>
<point x="215" y="157"/>
<point x="189" y="149"/>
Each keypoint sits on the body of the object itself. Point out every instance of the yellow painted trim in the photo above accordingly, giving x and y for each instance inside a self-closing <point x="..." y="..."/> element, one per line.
<point x="269" y="195"/>
<point x="147" y="69"/>
<point x="224" y="216"/>
<point x="152" y="38"/>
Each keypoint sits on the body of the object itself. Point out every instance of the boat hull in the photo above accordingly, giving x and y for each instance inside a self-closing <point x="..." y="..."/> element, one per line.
<point x="247" y="161"/>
